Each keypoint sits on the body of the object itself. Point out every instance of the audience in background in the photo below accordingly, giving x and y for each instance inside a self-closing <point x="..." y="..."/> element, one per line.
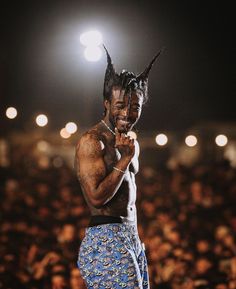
<point x="187" y="220"/>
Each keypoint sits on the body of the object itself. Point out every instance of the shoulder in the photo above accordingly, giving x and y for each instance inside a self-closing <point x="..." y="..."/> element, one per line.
<point x="90" y="144"/>
<point x="88" y="137"/>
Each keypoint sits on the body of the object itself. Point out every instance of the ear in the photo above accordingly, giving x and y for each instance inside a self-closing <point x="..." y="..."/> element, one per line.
<point x="107" y="104"/>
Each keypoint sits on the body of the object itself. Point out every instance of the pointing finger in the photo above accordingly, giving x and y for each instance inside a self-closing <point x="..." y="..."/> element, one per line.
<point x="117" y="134"/>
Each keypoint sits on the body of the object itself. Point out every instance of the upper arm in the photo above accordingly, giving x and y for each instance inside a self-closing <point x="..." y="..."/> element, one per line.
<point x="90" y="164"/>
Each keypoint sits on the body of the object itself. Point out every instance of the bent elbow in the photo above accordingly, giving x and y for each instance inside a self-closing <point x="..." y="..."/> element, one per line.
<point x="98" y="199"/>
<point x="96" y="203"/>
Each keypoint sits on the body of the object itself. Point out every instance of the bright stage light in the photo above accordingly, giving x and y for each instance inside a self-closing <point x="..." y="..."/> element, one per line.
<point x="93" y="53"/>
<point x="64" y="133"/>
<point x="41" y="120"/>
<point x="91" y="38"/>
<point x="11" y="112"/>
<point x="221" y="140"/>
<point x="191" y="140"/>
<point x="161" y="139"/>
<point x="132" y="134"/>
<point x="71" y="127"/>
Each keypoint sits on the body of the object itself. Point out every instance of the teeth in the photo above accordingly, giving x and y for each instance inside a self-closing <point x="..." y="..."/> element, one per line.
<point x="124" y="122"/>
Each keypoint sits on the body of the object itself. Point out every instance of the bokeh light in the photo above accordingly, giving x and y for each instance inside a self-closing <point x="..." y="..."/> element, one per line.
<point x="93" y="53"/>
<point x="221" y="140"/>
<point x="191" y="140"/>
<point x="11" y="112"/>
<point x="64" y="133"/>
<point x="43" y="146"/>
<point x="71" y="127"/>
<point x="91" y="38"/>
<point x="41" y="120"/>
<point x="57" y="162"/>
<point x="161" y="139"/>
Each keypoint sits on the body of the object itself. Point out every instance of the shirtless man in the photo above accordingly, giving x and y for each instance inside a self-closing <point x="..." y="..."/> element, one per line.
<point x="111" y="254"/>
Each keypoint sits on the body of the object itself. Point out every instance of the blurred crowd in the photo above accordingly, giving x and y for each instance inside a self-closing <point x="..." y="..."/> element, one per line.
<point x="187" y="220"/>
<point x="188" y="223"/>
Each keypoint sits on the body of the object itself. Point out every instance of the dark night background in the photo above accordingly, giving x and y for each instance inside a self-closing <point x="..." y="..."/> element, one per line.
<point x="42" y="67"/>
<point x="185" y="195"/>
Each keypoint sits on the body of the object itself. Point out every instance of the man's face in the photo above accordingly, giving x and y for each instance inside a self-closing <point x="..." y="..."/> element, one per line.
<point x="124" y="110"/>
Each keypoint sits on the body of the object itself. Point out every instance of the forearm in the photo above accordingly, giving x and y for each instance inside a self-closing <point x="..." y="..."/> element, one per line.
<point x="108" y="187"/>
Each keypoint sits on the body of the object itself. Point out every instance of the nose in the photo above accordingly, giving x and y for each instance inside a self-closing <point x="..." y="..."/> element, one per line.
<point x="125" y="111"/>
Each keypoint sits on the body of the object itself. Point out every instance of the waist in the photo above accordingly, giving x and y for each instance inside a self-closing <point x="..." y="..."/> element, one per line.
<point x="103" y="219"/>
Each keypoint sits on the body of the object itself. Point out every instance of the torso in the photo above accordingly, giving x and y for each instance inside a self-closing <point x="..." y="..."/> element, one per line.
<point x="123" y="203"/>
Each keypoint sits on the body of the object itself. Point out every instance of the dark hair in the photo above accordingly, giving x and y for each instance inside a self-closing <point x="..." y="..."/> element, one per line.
<point x="126" y="80"/>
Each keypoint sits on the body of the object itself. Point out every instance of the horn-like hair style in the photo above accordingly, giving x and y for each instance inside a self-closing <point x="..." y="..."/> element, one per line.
<point x="126" y="80"/>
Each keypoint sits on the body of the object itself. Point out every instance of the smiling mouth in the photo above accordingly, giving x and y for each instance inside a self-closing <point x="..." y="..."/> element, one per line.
<point x="123" y="122"/>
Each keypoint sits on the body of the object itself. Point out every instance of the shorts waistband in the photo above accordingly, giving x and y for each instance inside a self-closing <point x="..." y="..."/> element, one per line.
<point x="103" y="219"/>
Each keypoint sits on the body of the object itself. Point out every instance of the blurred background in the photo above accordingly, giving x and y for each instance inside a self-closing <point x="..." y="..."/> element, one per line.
<point x="50" y="93"/>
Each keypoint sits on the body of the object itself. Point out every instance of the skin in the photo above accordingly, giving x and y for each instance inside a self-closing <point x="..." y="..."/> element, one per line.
<point x="106" y="190"/>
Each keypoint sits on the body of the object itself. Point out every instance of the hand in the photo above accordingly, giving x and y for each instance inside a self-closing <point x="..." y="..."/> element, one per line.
<point x="124" y="144"/>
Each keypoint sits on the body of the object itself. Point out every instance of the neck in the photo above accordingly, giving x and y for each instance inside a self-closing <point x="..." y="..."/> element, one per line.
<point x="109" y="123"/>
<point x="108" y="127"/>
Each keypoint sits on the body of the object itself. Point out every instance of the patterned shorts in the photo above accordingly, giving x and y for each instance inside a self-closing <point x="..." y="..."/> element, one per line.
<point x="111" y="256"/>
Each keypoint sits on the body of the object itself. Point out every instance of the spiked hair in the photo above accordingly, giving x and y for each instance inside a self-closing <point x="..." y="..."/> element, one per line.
<point x="126" y="80"/>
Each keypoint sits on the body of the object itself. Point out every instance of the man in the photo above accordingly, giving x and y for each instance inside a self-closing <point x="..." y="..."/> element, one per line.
<point x="111" y="254"/>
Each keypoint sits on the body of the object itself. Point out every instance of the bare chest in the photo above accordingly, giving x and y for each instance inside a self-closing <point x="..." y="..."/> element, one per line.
<point x="112" y="156"/>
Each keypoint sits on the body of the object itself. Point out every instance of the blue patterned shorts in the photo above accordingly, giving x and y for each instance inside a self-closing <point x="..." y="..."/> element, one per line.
<point x="111" y="256"/>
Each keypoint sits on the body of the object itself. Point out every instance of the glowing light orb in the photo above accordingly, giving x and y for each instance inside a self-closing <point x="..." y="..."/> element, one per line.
<point x="161" y="139"/>
<point x="41" y="120"/>
<point x="221" y="140"/>
<point x="57" y="162"/>
<point x="71" y="127"/>
<point x="11" y="112"/>
<point x="132" y="134"/>
<point x="191" y="140"/>
<point x="64" y="133"/>
<point x="93" y="53"/>
<point x="91" y="38"/>
<point x="43" y="146"/>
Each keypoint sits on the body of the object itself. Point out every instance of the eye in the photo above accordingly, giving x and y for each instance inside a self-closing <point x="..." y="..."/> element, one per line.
<point x="119" y="106"/>
<point x="135" y="108"/>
